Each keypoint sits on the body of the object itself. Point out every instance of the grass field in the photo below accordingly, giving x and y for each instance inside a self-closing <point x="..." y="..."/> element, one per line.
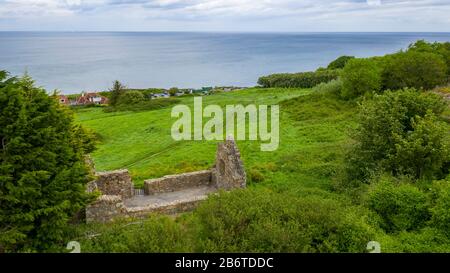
<point x="313" y="131"/>
<point x="314" y="136"/>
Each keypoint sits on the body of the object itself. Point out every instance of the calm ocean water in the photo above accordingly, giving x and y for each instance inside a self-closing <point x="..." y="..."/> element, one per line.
<point x="77" y="61"/>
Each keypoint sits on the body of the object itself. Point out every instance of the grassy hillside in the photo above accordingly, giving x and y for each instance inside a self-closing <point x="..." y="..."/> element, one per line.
<point x="312" y="132"/>
<point x="289" y="205"/>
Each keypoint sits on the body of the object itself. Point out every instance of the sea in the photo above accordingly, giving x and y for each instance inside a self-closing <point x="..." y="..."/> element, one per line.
<point x="72" y="62"/>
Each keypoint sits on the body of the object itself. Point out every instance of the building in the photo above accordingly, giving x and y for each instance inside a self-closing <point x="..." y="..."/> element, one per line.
<point x="160" y="95"/>
<point x="91" y="98"/>
<point x="63" y="99"/>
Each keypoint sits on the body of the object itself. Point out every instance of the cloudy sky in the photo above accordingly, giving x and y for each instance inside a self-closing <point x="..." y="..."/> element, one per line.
<point x="226" y="15"/>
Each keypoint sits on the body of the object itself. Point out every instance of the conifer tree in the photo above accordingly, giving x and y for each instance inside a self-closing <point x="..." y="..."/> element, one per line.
<point x="43" y="173"/>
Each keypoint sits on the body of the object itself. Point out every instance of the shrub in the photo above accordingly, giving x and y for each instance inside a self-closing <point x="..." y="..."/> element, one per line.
<point x="145" y="105"/>
<point x="42" y="169"/>
<point x="131" y="97"/>
<point x="298" y="80"/>
<point x="397" y="133"/>
<point x="360" y="76"/>
<point x="256" y="220"/>
<point x="333" y="87"/>
<point x="414" y="69"/>
<point x="426" y="240"/>
<point x="340" y="62"/>
<point x="156" y="234"/>
<point x="255" y="175"/>
<point x="440" y="210"/>
<point x="424" y="151"/>
<point x="402" y="207"/>
<point x="442" y="49"/>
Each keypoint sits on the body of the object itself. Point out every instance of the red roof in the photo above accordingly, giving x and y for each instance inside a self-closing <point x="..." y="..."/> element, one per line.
<point x="91" y="98"/>
<point x="63" y="99"/>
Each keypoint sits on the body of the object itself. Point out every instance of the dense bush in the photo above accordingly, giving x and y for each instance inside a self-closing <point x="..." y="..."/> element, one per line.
<point x="441" y="205"/>
<point x="261" y="221"/>
<point x="360" y="76"/>
<point x="414" y="69"/>
<point x="426" y="240"/>
<point x="298" y="80"/>
<point x="131" y="97"/>
<point x="42" y="169"/>
<point x="333" y="87"/>
<point x="398" y="133"/>
<point x="401" y="207"/>
<point x="442" y="49"/>
<point x="156" y="234"/>
<point x="145" y="105"/>
<point x="340" y="62"/>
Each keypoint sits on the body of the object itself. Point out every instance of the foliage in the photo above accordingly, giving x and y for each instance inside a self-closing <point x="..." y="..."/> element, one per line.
<point x="333" y="87"/>
<point x="442" y="49"/>
<point x="298" y="80"/>
<point x="440" y="210"/>
<point x="130" y="97"/>
<point x="116" y="92"/>
<point x="42" y="168"/>
<point x="414" y="69"/>
<point x="398" y="133"/>
<point x="402" y="207"/>
<point x="173" y="91"/>
<point x="156" y="234"/>
<point x="340" y="62"/>
<point x="143" y="105"/>
<point x="279" y="223"/>
<point x="359" y="77"/>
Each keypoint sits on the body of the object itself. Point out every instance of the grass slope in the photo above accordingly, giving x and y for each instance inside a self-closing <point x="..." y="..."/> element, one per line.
<point x="312" y="132"/>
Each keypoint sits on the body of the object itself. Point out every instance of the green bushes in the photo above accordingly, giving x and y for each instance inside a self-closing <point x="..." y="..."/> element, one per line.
<point x="261" y="221"/>
<point x="333" y="87"/>
<point x="360" y="76"/>
<point x="156" y="234"/>
<point x="42" y="169"/>
<point x="298" y="80"/>
<point x="130" y="97"/>
<point x="440" y="210"/>
<point x="399" y="133"/>
<point x="423" y="66"/>
<point x="402" y="207"/>
<point x="420" y="70"/>
<point x="340" y="62"/>
<point x="145" y="105"/>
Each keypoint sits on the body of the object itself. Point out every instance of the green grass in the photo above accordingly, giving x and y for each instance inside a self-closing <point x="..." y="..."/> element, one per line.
<point x="312" y="133"/>
<point x="283" y="186"/>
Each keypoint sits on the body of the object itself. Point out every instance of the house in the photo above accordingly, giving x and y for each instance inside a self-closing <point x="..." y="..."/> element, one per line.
<point x="91" y="98"/>
<point x="63" y="99"/>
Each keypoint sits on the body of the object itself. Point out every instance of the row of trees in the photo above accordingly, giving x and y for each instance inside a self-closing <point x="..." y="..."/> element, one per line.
<point x="298" y="80"/>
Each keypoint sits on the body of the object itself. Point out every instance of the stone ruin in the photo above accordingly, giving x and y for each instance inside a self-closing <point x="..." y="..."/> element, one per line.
<point x="168" y="195"/>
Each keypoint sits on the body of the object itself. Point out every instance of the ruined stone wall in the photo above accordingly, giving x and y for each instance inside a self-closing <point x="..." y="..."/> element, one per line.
<point x="173" y="183"/>
<point x="114" y="183"/>
<point x="228" y="172"/>
<point x="118" y="189"/>
<point x="105" y="209"/>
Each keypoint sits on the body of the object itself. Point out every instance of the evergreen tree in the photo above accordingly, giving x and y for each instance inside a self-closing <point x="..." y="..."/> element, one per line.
<point x="43" y="173"/>
<point x="117" y="90"/>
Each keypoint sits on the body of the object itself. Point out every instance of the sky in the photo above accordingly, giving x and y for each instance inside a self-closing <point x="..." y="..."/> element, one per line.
<point x="226" y="15"/>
